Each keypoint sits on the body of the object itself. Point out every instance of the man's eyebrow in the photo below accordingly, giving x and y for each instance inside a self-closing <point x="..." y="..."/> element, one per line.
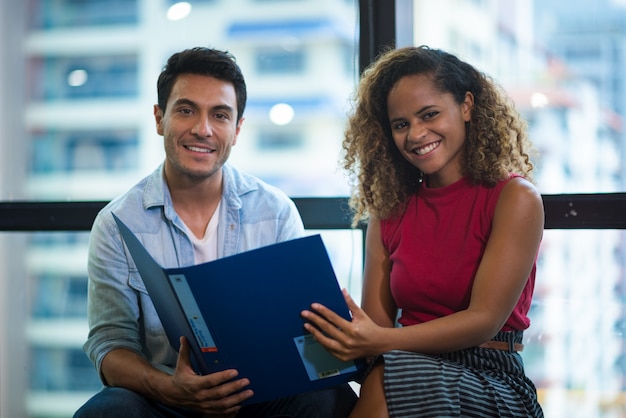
<point x="187" y="102"/>
<point x="184" y="101"/>
<point x="224" y="107"/>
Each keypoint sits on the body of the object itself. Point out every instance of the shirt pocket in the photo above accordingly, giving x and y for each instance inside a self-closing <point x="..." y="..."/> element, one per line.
<point x="136" y="283"/>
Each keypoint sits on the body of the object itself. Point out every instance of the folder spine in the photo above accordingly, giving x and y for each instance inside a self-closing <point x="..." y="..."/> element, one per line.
<point x="204" y="338"/>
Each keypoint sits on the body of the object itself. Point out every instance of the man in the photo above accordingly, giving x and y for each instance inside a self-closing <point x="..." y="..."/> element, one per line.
<point x="194" y="208"/>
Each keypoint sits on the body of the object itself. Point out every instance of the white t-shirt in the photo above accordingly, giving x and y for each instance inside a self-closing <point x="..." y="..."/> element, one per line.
<point x="205" y="248"/>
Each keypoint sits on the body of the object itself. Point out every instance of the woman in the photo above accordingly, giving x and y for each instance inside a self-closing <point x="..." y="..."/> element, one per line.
<point x="443" y="177"/>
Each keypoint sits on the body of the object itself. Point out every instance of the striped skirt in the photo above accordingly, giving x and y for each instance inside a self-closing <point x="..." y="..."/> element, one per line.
<point x="475" y="382"/>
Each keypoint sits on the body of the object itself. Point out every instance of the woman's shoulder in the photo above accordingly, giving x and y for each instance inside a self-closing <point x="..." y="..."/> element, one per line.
<point x="520" y="197"/>
<point x="520" y="186"/>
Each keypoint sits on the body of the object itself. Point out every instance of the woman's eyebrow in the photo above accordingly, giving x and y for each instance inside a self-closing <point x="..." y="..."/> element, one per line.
<point x="419" y="112"/>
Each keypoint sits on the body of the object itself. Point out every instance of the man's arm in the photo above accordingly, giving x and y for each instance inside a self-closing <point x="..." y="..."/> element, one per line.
<point x="216" y="393"/>
<point x="115" y="338"/>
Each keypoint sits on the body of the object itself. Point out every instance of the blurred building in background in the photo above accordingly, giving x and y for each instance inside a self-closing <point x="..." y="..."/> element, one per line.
<point x="78" y="83"/>
<point x="86" y="81"/>
<point x="566" y="76"/>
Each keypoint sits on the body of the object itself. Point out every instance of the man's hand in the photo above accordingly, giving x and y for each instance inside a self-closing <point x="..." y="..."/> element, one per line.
<point x="215" y="394"/>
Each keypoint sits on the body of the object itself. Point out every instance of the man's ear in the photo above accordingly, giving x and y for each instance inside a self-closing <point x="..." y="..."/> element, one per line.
<point x="237" y="129"/>
<point x="158" y="118"/>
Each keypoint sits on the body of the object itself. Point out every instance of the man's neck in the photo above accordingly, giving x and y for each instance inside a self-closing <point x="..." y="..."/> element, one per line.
<point x="195" y="200"/>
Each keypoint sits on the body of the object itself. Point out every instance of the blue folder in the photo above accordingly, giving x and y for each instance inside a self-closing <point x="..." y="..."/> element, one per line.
<point x="243" y="312"/>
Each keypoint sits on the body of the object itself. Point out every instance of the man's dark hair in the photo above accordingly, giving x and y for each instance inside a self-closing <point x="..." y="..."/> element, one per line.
<point x="202" y="61"/>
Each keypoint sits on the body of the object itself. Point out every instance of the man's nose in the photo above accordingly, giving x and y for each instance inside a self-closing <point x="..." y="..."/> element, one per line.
<point x="203" y="127"/>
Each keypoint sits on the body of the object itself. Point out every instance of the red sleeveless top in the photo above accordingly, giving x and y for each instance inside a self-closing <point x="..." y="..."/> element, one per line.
<point x="435" y="248"/>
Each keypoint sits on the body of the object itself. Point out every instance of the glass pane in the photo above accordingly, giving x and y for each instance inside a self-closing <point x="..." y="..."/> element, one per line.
<point x="78" y="87"/>
<point x="279" y="61"/>
<point x="575" y="342"/>
<point x="57" y="151"/>
<point x="57" y="77"/>
<point x="562" y="62"/>
<point x="84" y="106"/>
<point x="50" y="14"/>
<point x="45" y="299"/>
<point x="85" y="83"/>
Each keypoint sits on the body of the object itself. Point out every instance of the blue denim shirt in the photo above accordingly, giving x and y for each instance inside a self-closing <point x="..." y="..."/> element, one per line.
<point x="121" y="314"/>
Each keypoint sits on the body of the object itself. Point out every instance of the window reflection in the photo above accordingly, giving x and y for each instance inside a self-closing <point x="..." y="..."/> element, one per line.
<point x="279" y="61"/>
<point x="83" y="77"/>
<point x="568" y="84"/>
<point x="562" y="62"/>
<point x="69" y="151"/>
<point x="47" y="14"/>
<point x="280" y="139"/>
<point x="61" y="370"/>
<point x="90" y="69"/>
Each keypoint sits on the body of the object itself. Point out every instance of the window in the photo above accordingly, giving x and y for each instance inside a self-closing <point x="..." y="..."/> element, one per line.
<point x="70" y="151"/>
<point x="279" y="61"/>
<point x="49" y="14"/>
<point x="280" y="139"/>
<point x="552" y="59"/>
<point x="76" y="109"/>
<point x="81" y="77"/>
<point x="82" y="86"/>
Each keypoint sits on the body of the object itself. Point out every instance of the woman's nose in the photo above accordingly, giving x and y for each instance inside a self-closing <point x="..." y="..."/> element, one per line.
<point x="417" y="132"/>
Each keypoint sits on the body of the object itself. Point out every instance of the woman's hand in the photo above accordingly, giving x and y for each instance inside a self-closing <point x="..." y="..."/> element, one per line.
<point x="346" y="340"/>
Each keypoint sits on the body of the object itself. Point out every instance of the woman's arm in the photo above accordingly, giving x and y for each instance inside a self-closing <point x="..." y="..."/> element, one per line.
<point x="376" y="298"/>
<point x="517" y="229"/>
<point x="509" y="256"/>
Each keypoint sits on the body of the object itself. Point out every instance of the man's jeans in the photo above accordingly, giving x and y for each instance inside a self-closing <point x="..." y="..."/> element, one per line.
<point x="330" y="403"/>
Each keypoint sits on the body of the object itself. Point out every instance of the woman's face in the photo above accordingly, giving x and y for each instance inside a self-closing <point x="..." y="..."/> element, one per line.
<point x="428" y="127"/>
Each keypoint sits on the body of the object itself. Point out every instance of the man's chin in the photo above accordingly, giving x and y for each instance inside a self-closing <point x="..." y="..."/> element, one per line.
<point x="199" y="175"/>
<point x="193" y="172"/>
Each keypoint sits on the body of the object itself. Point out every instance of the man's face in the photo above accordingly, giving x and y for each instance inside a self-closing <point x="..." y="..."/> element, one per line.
<point x="199" y="126"/>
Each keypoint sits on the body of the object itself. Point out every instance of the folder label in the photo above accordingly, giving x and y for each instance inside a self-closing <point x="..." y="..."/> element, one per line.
<point x="192" y="311"/>
<point x="318" y="362"/>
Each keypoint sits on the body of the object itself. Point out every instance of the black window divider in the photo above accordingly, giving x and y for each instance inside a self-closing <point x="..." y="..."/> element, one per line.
<point x="562" y="211"/>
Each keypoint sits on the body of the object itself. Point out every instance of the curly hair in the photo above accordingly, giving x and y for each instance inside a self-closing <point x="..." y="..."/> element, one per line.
<point x="381" y="179"/>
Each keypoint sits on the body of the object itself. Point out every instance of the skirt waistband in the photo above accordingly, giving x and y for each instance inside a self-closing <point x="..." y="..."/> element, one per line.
<point x="510" y="341"/>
